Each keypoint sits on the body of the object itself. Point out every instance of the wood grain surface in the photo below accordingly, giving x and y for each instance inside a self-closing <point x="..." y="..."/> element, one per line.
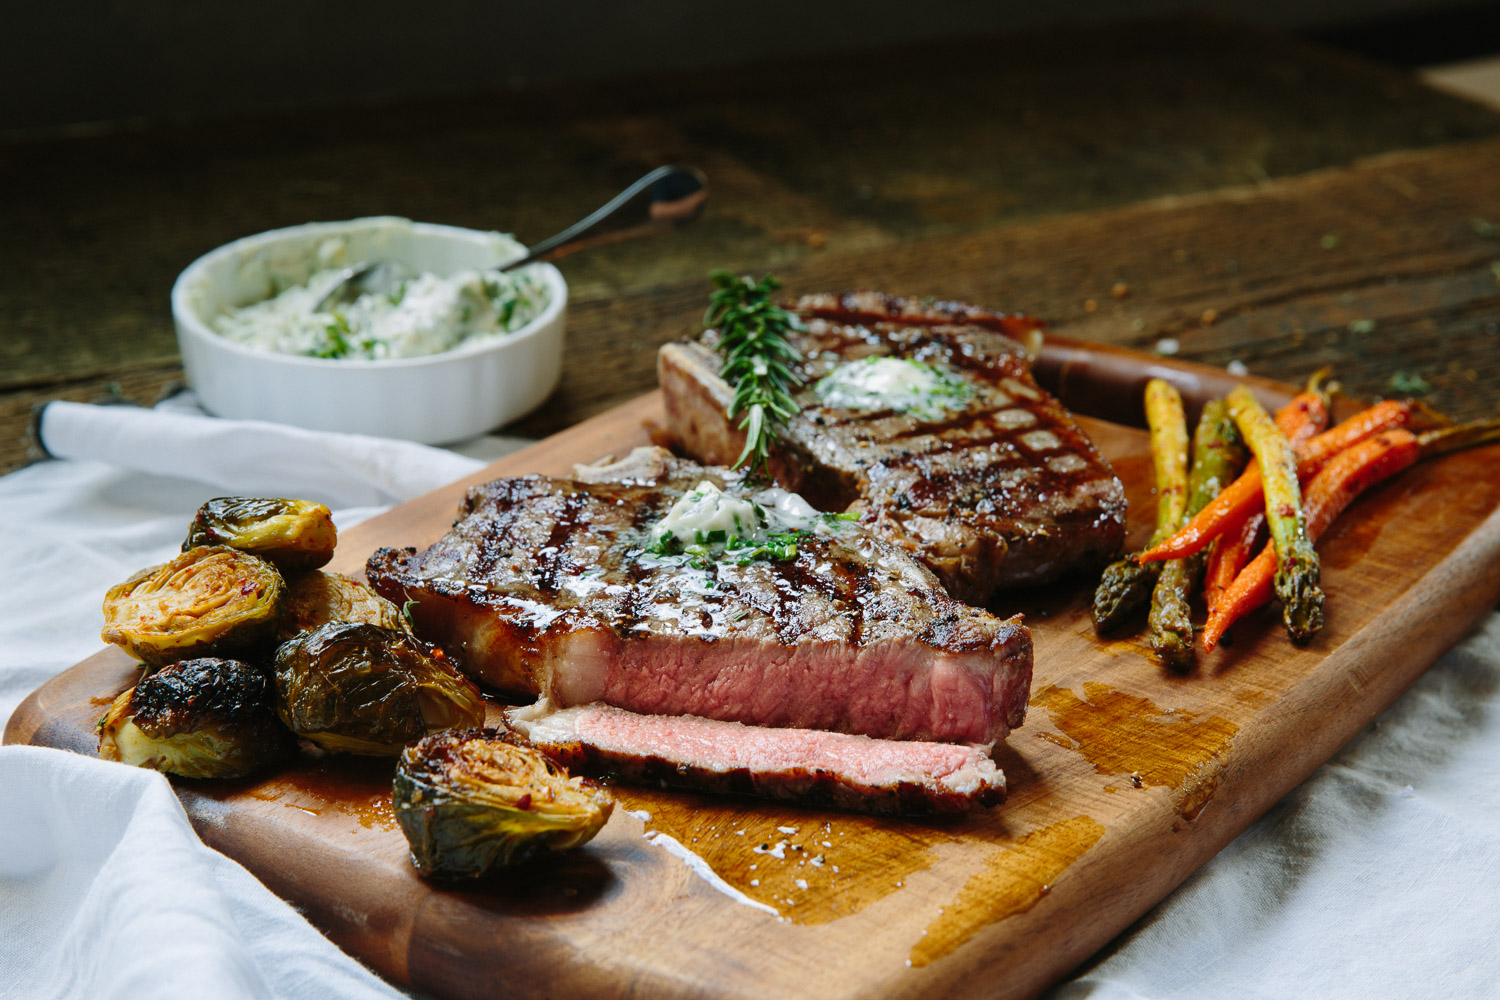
<point x="1123" y="781"/>
<point x="996" y="169"/>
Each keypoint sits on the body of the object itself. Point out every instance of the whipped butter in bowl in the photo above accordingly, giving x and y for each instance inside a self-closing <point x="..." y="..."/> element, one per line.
<point x="452" y="350"/>
<point x="422" y="314"/>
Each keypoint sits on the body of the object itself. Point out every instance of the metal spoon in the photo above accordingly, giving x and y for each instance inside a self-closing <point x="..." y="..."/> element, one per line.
<point x="667" y="196"/>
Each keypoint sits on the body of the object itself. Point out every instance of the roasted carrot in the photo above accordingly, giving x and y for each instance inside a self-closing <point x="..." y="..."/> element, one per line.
<point x="1242" y="497"/>
<point x="1126" y="584"/>
<point x="1385" y="415"/>
<point x="1342" y="479"/>
<point x="1297" y="568"/>
<point x="1307" y="413"/>
<point x="1229" y="554"/>
<point x="1218" y="454"/>
<point x="1355" y="470"/>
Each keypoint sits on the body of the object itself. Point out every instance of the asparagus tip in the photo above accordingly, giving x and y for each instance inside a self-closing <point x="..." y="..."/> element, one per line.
<point x="1304" y="616"/>
<point x="1123" y="587"/>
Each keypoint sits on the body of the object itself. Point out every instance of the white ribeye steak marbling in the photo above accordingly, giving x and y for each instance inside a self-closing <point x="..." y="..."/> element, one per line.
<point x="549" y="586"/>
<point x="999" y="489"/>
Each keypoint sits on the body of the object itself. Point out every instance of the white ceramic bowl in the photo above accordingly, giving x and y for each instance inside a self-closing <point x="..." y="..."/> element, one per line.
<point x="436" y="399"/>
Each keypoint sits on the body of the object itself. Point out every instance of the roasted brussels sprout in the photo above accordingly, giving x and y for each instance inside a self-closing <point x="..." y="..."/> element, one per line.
<point x="203" y="718"/>
<point x="293" y="534"/>
<point x="316" y="598"/>
<point x="209" y="601"/>
<point x="352" y="687"/>
<point x="473" y="801"/>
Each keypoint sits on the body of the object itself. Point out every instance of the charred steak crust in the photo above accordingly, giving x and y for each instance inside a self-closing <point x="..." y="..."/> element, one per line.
<point x="1004" y="492"/>
<point x="540" y="587"/>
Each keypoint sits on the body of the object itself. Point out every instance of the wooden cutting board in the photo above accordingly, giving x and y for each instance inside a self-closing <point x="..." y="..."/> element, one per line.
<point x="1123" y="780"/>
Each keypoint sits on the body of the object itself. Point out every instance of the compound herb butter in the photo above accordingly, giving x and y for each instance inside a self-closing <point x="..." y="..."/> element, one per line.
<point x="421" y="315"/>
<point x="899" y="384"/>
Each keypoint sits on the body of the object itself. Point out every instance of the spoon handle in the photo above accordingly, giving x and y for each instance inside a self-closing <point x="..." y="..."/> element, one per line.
<point x="674" y="194"/>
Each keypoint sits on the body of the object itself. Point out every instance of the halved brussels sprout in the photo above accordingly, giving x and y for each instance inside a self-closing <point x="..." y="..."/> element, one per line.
<point x="351" y="687"/>
<point x="203" y="718"/>
<point x="316" y="598"/>
<point x="473" y="801"/>
<point x="293" y="534"/>
<point x="209" y="601"/>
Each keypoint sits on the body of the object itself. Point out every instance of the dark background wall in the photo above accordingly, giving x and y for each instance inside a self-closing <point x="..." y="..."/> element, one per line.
<point x="74" y="61"/>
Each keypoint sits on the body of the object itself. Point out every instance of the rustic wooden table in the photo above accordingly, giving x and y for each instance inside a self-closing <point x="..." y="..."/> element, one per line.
<point x="1238" y="194"/>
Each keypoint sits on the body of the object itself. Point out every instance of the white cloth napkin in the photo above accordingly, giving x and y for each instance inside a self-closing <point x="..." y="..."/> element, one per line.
<point x="105" y="891"/>
<point x="250" y="457"/>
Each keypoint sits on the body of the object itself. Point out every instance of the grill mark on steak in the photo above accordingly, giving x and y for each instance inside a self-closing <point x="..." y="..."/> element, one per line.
<point x="852" y="634"/>
<point x="1004" y="492"/>
<point x="812" y="768"/>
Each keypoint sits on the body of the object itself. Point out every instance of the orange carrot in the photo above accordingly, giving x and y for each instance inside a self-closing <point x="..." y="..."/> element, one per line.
<point x="1344" y="477"/>
<point x="1225" y="513"/>
<point x="1228" y="556"/>
<point x="1388" y="414"/>
<point x="1243" y="496"/>
<point x="1307" y="413"/>
<point x="1357" y="469"/>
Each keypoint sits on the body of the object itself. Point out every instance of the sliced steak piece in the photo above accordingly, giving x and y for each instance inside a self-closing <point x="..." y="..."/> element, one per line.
<point x="1002" y="491"/>
<point x="546" y="586"/>
<point x="802" y="765"/>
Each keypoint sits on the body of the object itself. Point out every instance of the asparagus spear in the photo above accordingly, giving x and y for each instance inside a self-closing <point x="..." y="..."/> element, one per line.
<point x="1126" y="584"/>
<point x="1218" y="456"/>
<point x="1296" y="580"/>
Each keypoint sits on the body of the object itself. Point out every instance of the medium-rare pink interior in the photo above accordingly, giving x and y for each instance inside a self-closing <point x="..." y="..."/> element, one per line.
<point x="734" y="745"/>
<point x="898" y="690"/>
<point x="850" y="772"/>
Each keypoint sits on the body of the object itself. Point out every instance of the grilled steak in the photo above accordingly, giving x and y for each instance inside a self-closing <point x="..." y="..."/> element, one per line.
<point x="803" y="765"/>
<point x="548" y="586"/>
<point x="1000" y="488"/>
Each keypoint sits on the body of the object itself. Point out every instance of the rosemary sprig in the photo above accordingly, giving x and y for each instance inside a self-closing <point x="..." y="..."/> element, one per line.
<point x="757" y="359"/>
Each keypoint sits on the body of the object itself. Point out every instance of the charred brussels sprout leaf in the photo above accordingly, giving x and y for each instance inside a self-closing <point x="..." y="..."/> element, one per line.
<point x="473" y="801"/>
<point x="352" y="687"/>
<point x="316" y="598"/>
<point x="203" y="718"/>
<point x="209" y="601"/>
<point x="293" y="534"/>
